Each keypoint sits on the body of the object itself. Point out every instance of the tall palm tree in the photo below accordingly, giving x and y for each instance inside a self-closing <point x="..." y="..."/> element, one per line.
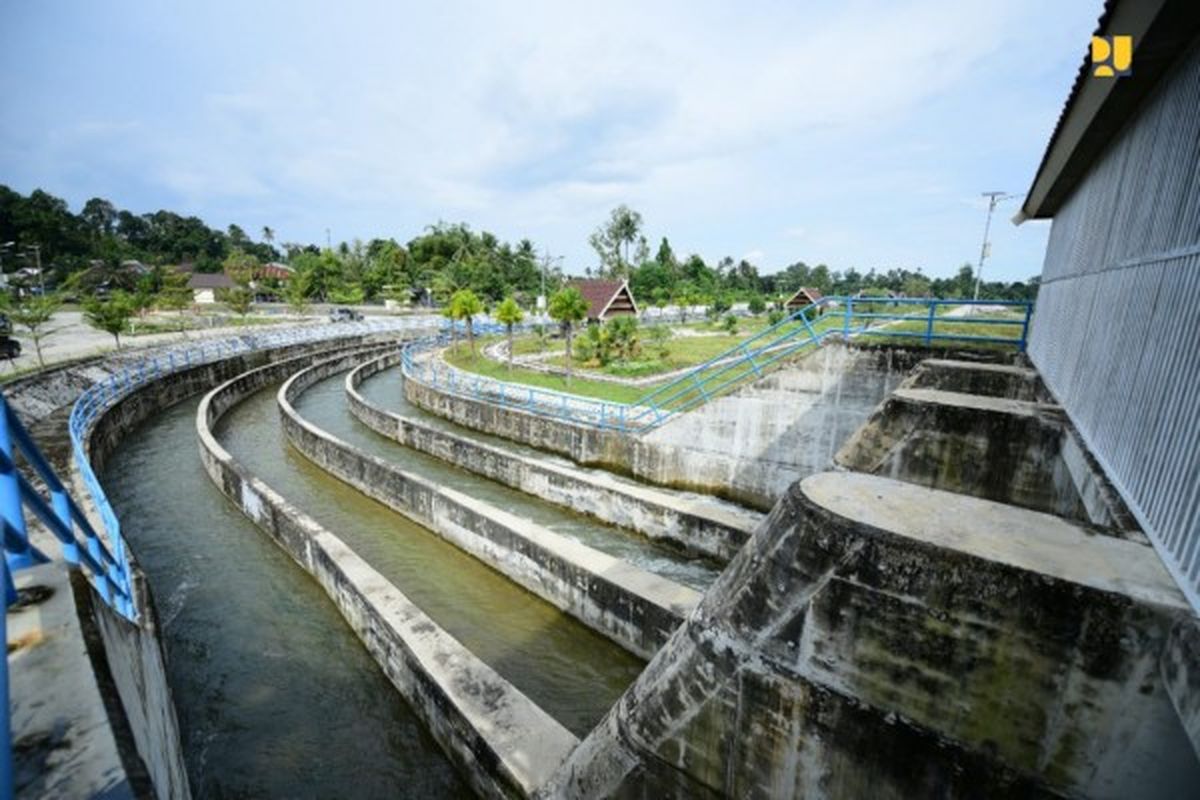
<point x="569" y="308"/>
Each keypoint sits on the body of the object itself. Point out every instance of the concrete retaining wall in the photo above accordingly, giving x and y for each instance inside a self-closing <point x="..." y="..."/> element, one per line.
<point x="1011" y="451"/>
<point x="506" y="745"/>
<point x="132" y="653"/>
<point x="885" y="640"/>
<point x="747" y="447"/>
<point x="636" y="609"/>
<point x="697" y="528"/>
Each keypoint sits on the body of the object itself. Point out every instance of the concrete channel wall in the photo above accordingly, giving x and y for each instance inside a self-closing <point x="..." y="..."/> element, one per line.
<point x="885" y="640"/>
<point x="505" y="744"/>
<point x="700" y="530"/>
<point x="636" y="609"/>
<point x="747" y="447"/>
<point x="132" y="655"/>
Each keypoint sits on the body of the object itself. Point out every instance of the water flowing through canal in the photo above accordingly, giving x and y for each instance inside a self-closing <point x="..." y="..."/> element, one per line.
<point x="276" y="697"/>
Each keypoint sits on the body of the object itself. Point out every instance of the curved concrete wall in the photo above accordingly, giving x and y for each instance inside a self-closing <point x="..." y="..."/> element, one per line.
<point x="636" y="609"/>
<point x="130" y="659"/>
<point x="699" y="530"/>
<point x="506" y="744"/>
<point x="748" y="447"/>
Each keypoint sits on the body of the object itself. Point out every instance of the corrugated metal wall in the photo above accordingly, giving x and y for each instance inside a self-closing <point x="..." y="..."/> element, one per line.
<point x="1116" y="332"/>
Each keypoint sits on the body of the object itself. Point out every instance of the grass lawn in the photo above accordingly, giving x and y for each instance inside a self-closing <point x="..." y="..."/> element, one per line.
<point x="965" y="328"/>
<point x="460" y="356"/>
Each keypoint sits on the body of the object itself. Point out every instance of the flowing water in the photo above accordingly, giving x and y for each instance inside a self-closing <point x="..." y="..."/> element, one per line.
<point x="276" y="697"/>
<point x="324" y="405"/>
<point x="573" y="673"/>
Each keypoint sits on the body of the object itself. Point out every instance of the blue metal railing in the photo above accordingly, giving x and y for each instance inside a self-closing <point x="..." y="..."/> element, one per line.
<point x="104" y="557"/>
<point x="845" y="318"/>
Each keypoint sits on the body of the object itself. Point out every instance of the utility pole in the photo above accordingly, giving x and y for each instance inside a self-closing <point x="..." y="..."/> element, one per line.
<point x="994" y="198"/>
<point x="547" y="260"/>
<point x="328" y="241"/>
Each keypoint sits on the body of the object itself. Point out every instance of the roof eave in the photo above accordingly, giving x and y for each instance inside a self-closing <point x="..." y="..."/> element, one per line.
<point x="1097" y="109"/>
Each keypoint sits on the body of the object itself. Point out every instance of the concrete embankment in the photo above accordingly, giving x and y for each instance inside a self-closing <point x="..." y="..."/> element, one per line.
<point x="702" y="528"/>
<point x="128" y="658"/>
<point x="747" y="447"/>
<point x="880" y="639"/>
<point x="634" y="608"/>
<point x="506" y="745"/>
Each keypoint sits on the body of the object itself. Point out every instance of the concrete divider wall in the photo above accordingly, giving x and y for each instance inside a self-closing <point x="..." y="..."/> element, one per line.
<point x="648" y="511"/>
<point x="133" y="653"/>
<point x="506" y="745"/>
<point x="636" y="609"/>
<point x="884" y="640"/>
<point x="747" y="447"/>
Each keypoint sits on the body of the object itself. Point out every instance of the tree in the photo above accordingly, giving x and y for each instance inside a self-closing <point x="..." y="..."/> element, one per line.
<point x="175" y="296"/>
<point x="32" y="314"/>
<point x="296" y="292"/>
<point x="612" y="240"/>
<point x="623" y="333"/>
<point x="509" y="314"/>
<point x="111" y="315"/>
<point x="238" y="299"/>
<point x="731" y="324"/>
<point x="568" y="308"/>
<point x="464" y="305"/>
<point x="757" y="304"/>
<point x="658" y="336"/>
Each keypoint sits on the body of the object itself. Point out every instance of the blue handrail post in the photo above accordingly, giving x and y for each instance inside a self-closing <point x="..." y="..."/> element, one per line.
<point x="6" y="771"/>
<point x="62" y="510"/>
<point x="1025" y="327"/>
<point x="929" y="325"/>
<point x="846" y="321"/>
<point x="17" y="553"/>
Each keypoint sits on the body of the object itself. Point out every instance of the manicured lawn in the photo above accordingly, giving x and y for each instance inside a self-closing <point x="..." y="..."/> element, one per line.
<point x="460" y="356"/>
<point x="965" y="328"/>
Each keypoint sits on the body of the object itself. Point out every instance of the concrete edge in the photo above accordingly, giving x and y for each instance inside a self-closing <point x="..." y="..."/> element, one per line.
<point x="636" y="609"/>
<point x="645" y="510"/>
<point x="506" y="744"/>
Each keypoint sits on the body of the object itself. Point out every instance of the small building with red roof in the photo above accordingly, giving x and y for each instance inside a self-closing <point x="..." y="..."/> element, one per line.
<point x="606" y="299"/>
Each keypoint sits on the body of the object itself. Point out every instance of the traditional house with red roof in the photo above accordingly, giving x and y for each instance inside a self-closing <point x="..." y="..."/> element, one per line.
<point x="606" y="299"/>
<point x="803" y="297"/>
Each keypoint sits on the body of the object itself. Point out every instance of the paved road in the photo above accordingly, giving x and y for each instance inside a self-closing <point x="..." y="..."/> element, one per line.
<point x="73" y="338"/>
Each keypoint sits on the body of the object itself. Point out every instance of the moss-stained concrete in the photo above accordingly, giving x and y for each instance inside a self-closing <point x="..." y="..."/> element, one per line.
<point x="706" y="527"/>
<point x="636" y="609"/>
<point x="1011" y="451"/>
<point x="886" y="640"/>
<point x="747" y="447"/>
<point x="506" y="745"/>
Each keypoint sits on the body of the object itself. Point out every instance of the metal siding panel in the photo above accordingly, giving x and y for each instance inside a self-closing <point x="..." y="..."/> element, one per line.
<point x="1116" y="335"/>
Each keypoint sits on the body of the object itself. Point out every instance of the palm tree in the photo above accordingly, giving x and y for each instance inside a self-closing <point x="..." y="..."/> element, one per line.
<point x="510" y="314"/>
<point x="465" y="305"/>
<point x="568" y="307"/>
<point x="268" y="234"/>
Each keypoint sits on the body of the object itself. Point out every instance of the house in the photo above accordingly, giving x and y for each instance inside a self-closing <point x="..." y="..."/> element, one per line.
<point x="1118" y="179"/>
<point x="802" y="298"/>
<point x="204" y="285"/>
<point x="606" y="299"/>
<point x="273" y="270"/>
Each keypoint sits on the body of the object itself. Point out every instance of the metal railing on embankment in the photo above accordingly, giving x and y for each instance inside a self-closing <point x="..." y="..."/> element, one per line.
<point x="845" y="318"/>
<point x="103" y="555"/>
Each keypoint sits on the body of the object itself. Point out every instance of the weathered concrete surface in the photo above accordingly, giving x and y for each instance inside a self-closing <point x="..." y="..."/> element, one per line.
<point x="1181" y="674"/>
<point x="701" y="526"/>
<point x="636" y="609"/>
<point x="747" y="447"/>
<point x="506" y="745"/>
<point x="63" y="744"/>
<point x="880" y="639"/>
<point x="1011" y="451"/>
<point x="1008" y="381"/>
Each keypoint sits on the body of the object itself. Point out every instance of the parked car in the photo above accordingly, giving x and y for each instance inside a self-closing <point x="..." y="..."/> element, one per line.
<point x="9" y="347"/>
<point x="344" y="315"/>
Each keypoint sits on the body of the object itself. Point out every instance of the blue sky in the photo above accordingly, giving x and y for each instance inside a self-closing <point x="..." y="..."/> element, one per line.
<point x="856" y="134"/>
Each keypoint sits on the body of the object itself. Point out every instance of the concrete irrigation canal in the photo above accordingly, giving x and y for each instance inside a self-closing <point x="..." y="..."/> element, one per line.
<point x="352" y="585"/>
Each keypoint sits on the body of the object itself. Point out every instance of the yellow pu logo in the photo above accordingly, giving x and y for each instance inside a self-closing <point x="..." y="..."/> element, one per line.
<point x="1112" y="56"/>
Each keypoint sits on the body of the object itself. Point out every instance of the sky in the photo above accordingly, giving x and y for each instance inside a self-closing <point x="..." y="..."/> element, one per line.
<point x="855" y="134"/>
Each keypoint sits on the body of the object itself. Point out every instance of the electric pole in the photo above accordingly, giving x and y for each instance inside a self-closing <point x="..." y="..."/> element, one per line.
<point x="994" y="198"/>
